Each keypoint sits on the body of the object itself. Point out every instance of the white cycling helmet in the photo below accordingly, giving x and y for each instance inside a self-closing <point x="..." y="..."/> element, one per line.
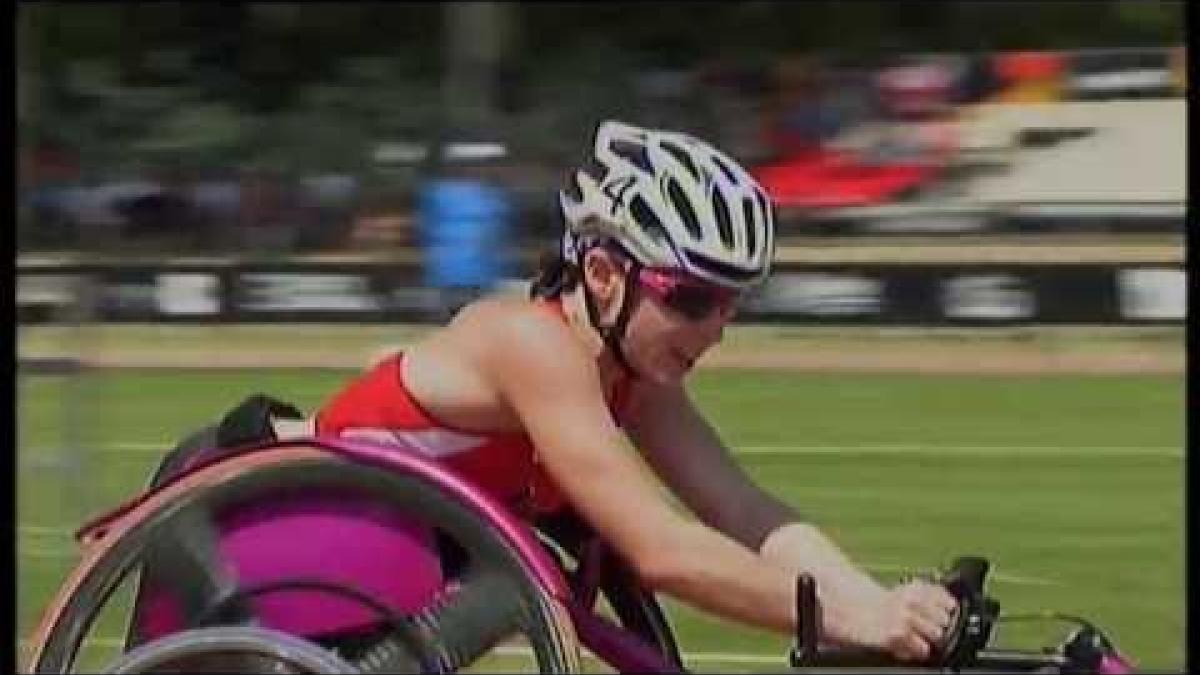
<point x="670" y="200"/>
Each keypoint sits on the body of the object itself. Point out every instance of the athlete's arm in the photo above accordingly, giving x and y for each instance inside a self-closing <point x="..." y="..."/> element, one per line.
<point x="688" y="455"/>
<point x="691" y="459"/>
<point x="550" y="382"/>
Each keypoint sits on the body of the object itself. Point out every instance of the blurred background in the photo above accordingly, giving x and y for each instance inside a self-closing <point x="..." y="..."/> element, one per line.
<point x="981" y="221"/>
<point x="434" y="135"/>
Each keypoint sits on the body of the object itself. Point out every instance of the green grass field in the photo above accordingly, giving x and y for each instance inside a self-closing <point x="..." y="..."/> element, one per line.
<point x="1072" y="485"/>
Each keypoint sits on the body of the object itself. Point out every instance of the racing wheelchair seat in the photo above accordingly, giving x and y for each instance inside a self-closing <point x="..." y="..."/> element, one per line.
<point x="333" y="536"/>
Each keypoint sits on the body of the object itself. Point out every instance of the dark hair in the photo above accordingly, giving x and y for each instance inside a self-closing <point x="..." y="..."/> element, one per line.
<point x="555" y="275"/>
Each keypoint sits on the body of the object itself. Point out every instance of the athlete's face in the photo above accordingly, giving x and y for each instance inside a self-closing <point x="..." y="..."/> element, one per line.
<point x="676" y="320"/>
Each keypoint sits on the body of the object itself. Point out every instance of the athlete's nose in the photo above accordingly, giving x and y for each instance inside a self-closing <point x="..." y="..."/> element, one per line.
<point x="713" y="326"/>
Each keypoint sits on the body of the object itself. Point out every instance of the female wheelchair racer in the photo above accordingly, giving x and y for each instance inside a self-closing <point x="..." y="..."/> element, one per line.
<point x="529" y="399"/>
<point x="527" y="402"/>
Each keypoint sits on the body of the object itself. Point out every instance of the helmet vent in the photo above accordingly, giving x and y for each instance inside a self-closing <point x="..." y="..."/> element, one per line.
<point x="725" y="170"/>
<point x="594" y="168"/>
<point x="678" y="153"/>
<point x="724" y="224"/>
<point x="748" y="215"/>
<point x="762" y="204"/>
<point x="572" y="189"/>
<point x="720" y="269"/>
<point x="647" y="220"/>
<point x="634" y="153"/>
<point x="680" y="201"/>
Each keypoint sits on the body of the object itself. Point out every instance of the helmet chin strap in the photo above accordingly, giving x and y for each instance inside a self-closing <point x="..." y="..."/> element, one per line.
<point x="613" y="335"/>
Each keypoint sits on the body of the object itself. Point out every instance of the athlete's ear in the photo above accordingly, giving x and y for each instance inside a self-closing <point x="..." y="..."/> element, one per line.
<point x="604" y="273"/>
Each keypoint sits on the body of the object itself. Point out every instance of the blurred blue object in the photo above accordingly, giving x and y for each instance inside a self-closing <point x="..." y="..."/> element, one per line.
<point x="464" y="223"/>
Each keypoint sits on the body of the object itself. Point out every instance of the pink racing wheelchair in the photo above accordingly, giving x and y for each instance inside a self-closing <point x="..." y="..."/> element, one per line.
<point x="236" y="571"/>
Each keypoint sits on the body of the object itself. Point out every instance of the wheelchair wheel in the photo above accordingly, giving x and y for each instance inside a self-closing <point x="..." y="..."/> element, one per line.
<point x="494" y="598"/>
<point x="231" y="649"/>
<point x="638" y="610"/>
<point x="582" y="555"/>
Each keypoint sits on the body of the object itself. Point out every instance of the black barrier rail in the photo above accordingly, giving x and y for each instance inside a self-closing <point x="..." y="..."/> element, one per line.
<point x="50" y="365"/>
<point x="1108" y="74"/>
<point x="933" y="219"/>
<point x="918" y="294"/>
<point x="1117" y="218"/>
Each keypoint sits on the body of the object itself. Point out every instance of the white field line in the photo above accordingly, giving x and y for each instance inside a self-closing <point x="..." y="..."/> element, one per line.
<point x="993" y="575"/>
<point x="66" y="549"/>
<point x="938" y="449"/>
<point x="712" y="657"/>
<point x="978" y="450"/>
<point x="47" y="553"/>
<point x="45" y="531"/>
<point x="862" y="449"/>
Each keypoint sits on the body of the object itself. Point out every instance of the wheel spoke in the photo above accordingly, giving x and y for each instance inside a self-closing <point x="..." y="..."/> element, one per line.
<point x="187" y="546"/>
<point x="469" y="620"/>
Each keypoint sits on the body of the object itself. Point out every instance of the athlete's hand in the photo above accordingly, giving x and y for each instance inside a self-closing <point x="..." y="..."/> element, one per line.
<point x="909" y="620"/>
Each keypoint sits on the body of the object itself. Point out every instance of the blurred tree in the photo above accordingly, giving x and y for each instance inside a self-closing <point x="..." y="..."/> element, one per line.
<point x="1149" y="21"/>
<point x="111" y="77"/>
<point x="29" y="69"/>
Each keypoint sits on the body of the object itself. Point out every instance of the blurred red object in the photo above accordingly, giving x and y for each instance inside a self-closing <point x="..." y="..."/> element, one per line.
<point x="1023" y="66"/>
<point x="1030" y="76"/>
<point x="834" y="178"/>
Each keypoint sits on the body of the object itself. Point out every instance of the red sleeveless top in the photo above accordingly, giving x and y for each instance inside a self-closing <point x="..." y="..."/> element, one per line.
<point x="378" y="407"/>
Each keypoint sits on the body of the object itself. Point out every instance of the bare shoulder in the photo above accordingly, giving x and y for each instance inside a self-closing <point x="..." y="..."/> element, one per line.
<point x="514" y="331"/>
<point x="510" y="318"/>
<point x="495" y="353"/>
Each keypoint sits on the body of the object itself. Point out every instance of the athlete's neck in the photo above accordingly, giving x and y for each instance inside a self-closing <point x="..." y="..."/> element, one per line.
<point x="575" y="310"/>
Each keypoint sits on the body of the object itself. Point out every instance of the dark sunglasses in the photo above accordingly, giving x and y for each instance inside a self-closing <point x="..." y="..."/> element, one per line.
<point x="696" y="300"/>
